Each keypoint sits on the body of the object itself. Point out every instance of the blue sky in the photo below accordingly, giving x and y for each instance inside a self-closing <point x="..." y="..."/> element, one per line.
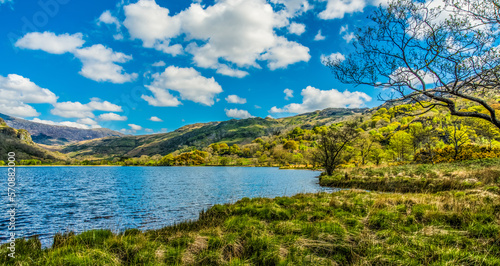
<point x="153" y="66"/>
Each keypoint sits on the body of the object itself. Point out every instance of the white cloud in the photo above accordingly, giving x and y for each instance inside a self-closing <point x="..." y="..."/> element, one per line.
<point x="112" y="117"/>
<point x="405" y="76"/>
<point x="87" y="121"/>
<point x="343" y="29"/>
<point x="226" y="34"/>
<point x="96" y="104"/>
<point x="66" y="124"/>
<point x="338" y="8"/>
<point x="17" y="92"/>
<point x="135" y="127"/>
<point x="293" y="8"/>
<point x="155" y="119"/>
<point x="149" y="22"/>
<point x="332" y="57"/>
<point x="79" y="110"/>
<point x="349" y="36"/>
<point x="319" y="36"/>
<point x="346" y="35"/>
<point x="236" y="113"/>
<point x="159" y="64"/>
<point x="188" y="82"/>
<point x="50" y="42"/>
<point x="296" y="28"/>
<point x="227" y="71"/>
<point x="288" y="94"/>
<point x="99" y="64"/>
<point x="315" y="99"/>
<point x="72" y="109"/>
<point x="5" y="1"/>
<point x="161" y="97"/>
<point x="107" y="18"/>
<point x="235" y="99"/>
<point x="286" y="53"/>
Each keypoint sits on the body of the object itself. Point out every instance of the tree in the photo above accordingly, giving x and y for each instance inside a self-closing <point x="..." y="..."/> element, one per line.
<point x="431" y="55"/>
<point x="332" y="144"/>
<point x="291" y="145"/>
<point x="365" y="146"/>
<point x="458" y="136"/>
<point x="402" y="144"/>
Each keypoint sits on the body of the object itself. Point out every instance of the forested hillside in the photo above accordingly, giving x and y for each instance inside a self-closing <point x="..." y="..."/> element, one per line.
<point x="199" y="136"/>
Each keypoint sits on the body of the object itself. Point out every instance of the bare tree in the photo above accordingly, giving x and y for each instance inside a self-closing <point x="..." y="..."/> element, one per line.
<point x="428" y="54"/>
<point x="332" y="145"/>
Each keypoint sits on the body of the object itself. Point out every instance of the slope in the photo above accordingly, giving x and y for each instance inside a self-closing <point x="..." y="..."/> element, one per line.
<point x="201" y="135"/>
<point x="57" y="135"/>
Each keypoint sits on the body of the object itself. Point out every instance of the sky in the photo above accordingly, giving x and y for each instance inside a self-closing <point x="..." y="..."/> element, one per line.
<point x="147" y="66"/>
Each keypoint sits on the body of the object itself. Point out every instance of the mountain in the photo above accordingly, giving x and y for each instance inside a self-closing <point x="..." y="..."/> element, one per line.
<point x="19" y="141"/>
<point x="57" y="135"/>
<point x="202" y="134"/>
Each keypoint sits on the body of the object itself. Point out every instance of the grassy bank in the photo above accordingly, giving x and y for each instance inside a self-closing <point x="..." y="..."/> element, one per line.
<point x="475" y="174"/>
<point x="459" y="225"/>
<point x="347" y="227"/>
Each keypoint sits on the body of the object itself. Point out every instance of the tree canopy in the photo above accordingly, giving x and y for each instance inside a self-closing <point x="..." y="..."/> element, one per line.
<point x="431" y="53"/>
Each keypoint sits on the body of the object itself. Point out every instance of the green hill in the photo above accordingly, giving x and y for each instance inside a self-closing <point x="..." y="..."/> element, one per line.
<point x="20" y="142"/>
<point x="202" y="134"/>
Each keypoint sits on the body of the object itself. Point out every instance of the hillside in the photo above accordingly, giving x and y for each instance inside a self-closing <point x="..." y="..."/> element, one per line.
<point x="57" y="135"/>
<point x="202" y="134"/>
<point x="20" y="142"/>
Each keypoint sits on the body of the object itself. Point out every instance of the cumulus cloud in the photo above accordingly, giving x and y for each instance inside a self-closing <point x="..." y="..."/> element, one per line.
<point x="337" y="9"/>
<point x="99" y="64"/>
<point x="319" y="36"/>
<point x="79" y="110"/>
<point x="50" y="42"/>
<point x="288" y="94"/>
<point x="107" y="18"/>
<point x="156" y="119"/>
<point x="17" y="92"/>
<point x="227" y="34"/>
<point x="237" y="113"/>
<point x="296" y="28"/>
<point x="151" y="23"/>
<point x="332" y="57"/>
<point x="293" y="8"/>
<point x="67" y="124"/>
<point x="135" y="127"/>
<point x="285" y="53"/>
<point x="159" y="64"/>
<point x="188" y="82"/>
<point x="112" y="117"/>
<point x="346" y="34"/>
<point x="315" y="99"/>
<point x="235" y="99"/>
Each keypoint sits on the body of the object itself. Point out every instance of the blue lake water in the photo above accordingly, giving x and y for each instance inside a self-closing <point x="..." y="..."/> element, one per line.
<point x="59" y="199"/>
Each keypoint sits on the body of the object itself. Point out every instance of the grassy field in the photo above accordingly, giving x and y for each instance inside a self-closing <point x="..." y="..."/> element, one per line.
<point x="451" y="224"/>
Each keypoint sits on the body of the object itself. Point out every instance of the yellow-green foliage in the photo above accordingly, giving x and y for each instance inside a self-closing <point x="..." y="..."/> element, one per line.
<point x="468" y="152"/>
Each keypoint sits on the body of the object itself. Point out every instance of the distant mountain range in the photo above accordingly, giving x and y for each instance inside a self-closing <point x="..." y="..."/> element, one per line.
<point x="67" y="142"/>
<point x="20" y="142"/>
<point x="202" y="134"/>
<point x="57" y="135"/>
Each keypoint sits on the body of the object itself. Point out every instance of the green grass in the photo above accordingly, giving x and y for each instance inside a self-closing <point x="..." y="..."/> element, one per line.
<point x="349" y="227"/>
<point x="346" y="227"/>
<point x="473" y="174"/>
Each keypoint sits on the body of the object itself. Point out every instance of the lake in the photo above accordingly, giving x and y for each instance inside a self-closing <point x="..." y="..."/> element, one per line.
<point x="59" y="199"/>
